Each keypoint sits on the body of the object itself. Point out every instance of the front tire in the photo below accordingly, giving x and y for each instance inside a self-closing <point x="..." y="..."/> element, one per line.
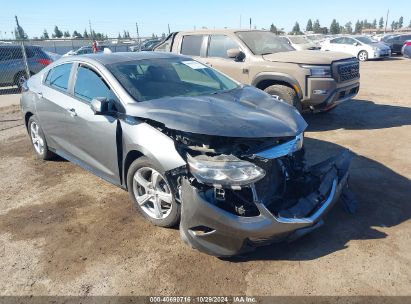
<point x="286" y="94"/>
<point x="363" y="56"/>
<point x="151" y="193"/>
<point x="38" y="139"/>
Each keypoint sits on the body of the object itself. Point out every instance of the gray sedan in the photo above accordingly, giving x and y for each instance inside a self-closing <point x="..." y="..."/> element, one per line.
<point x="189" y="144"/>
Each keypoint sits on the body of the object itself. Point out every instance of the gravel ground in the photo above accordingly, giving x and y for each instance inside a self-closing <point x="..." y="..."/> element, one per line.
<point x="64" y="231"/>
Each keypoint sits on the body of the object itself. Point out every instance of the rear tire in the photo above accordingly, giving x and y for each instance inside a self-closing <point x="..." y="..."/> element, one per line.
<point x="38" y="140"/>
<point x="151" y="193"/>
<point x="363" y="56"/>
<point x="286" y="94"/>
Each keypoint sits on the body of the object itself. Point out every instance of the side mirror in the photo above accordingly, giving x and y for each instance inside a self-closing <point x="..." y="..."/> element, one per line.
<point x="237" y="54"/>
<point x="356" y="44"/>
<point x="99" y="105"/>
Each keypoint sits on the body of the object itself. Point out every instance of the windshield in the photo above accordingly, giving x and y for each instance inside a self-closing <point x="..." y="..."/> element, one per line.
<point x="168" y="77"/>
<point x="262" y="43"/>
<point x="298" y="39"/>
<point x="366" y="40"/>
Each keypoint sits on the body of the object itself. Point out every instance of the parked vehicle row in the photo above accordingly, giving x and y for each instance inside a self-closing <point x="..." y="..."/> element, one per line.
<point x="189" y="144"/>
<point x="362" y="47"/>
<point x="305" y="79"/>
<point x="12" y="66"/>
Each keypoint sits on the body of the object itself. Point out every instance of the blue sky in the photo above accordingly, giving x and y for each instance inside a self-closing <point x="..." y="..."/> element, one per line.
<point x="112" y="17"/>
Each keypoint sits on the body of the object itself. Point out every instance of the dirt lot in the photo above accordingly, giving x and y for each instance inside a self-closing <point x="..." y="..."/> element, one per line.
<point x="64" y="231"/>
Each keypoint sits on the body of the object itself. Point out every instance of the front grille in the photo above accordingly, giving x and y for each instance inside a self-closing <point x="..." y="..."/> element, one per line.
<point x="349" y="71"/>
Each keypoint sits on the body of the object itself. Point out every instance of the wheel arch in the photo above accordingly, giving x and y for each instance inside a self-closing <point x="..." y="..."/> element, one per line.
<point x="27" y="117"/>
<point x="130" y="157"/>
<point x="264" y="80"/>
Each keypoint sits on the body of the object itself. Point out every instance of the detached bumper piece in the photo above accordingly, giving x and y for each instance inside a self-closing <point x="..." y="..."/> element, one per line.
<point x="215" y="231"/>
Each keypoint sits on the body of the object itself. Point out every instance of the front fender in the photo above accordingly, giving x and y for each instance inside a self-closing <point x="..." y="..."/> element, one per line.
<point x="275" y="76"/>
<point x="152" y="143"/>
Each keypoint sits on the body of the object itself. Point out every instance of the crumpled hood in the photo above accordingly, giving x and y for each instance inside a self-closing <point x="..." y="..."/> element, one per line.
<point x="306" y="57"/>
<point x="243" y="112"/>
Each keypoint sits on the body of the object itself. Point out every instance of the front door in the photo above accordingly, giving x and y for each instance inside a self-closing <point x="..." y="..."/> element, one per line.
<point x="93" y="137"/>
<point x="217" y="58"/>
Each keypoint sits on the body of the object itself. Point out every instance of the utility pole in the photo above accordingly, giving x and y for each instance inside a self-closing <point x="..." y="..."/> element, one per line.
<point x="250" y="23"/>
<point x="91" y="32"/>
<point x="386" y="21"/>
<point x="169" y="32"/>
<point x="138" y="37"/>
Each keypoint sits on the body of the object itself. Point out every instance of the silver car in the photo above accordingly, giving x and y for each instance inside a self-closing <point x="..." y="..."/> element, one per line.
<point x="12" y="67"/>
<point x="190" y="145"/>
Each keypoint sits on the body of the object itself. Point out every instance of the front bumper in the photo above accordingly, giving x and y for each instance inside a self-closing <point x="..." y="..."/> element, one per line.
<point x="325" y="93"/>
<point x="217" y="232"/>
<point x="380" y="54"/>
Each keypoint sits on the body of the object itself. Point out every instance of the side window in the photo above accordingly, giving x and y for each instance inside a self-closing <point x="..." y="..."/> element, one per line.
<point x="58" y="77"/>
<point x="164" y="47"/>
<point x="219" y="44"/>
<point x="90" y="85"/>
<point x="192" y="45"/>
<point x="349" y="41"/>
<point x="337" y="40"/>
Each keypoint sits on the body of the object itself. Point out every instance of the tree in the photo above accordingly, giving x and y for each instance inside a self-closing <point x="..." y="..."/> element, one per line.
<point x="296" y="29"/>
<point x="19" y="33"/>
<point x="273" y="29"/>
<point x="409" y="25"/>
<point x="394" y="25"/>
<point x="317" y="27"/>
<point x="45" y="35"/>
<point x="381" y="23"/>
<point x="85" y="35"/>
<point x="348" y="27"/>
<point x="358" y="27"/>
<point x="374" y="24"/>
<point x="66" y="34"/>
<point x="57" y="33"/>
<point x="401" y="22"/>
<point x="309" y="27"/>
<point x="119" y="36"/>
<point x="334" y="27"/>
<point x="77" y="35"/>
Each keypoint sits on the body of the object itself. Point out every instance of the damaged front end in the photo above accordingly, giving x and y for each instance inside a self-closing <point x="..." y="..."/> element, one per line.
<point x="237" y="193"/>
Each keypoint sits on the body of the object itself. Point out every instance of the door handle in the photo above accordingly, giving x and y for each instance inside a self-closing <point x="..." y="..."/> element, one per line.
<point x="72" y="111"/>
<point x="209" y="64"/>
<point x="39" y="94"/>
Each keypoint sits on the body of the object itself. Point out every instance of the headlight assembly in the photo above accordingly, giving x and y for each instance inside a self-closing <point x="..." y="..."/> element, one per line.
<point x="224" y="170"/>
<point x="318" y="71"/>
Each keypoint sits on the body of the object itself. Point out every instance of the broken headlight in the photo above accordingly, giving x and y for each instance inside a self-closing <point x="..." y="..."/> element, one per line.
<point x="224" y="170"/>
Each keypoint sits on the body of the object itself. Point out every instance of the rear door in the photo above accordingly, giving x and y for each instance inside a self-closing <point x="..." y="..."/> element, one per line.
<point x="53" y="105"/>
<point x="217" y="58"/>
<point x="350" y="46"/>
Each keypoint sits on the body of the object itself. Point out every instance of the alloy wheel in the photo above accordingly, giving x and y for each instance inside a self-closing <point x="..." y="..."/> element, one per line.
<point x="152" y="193"/>
<point x="362" y="56"/>
<point x="36" y="138"/>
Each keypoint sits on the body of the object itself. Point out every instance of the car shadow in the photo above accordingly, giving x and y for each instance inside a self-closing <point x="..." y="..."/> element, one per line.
<point x="383" y="202"/>
<point x="357" y="114"/>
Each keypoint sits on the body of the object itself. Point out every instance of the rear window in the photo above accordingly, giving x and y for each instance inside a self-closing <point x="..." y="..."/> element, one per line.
<point x="191" y="45"/>
<point x="169" y="77"/>
<point x="59" y="76"/>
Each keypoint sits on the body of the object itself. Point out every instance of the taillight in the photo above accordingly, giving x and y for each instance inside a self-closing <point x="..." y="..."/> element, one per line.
<point x="44" y="61"/>
<point x="407" y="43"/>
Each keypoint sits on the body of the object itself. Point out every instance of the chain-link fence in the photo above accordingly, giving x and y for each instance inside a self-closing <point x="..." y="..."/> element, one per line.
<point x="21" y="59"/>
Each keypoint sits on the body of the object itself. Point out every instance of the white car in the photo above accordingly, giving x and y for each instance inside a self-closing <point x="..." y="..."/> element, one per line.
<point x="300" y="43"/>
<point x="363" y="47"/>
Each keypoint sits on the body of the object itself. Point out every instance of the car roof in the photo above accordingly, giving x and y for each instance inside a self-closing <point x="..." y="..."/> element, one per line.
<point x="218" y="31"/>
<point x="110" y="58"/>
